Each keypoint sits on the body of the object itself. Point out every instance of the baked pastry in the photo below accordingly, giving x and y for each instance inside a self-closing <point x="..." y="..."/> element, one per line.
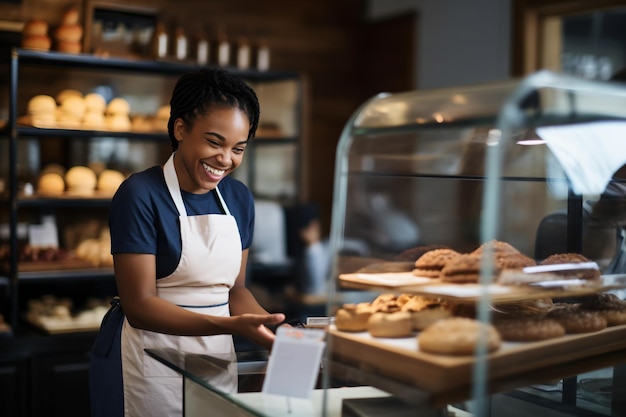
<point x="73" y="106"/>
<point x="70" y="17"/>
<point x="51" y="183"/>
<point x="80" y="180"/>
<point x="432" y="262"/>
<point x="423" y="318"/>
<point x="37" y="42"/>
<point x="66" y="93"/>
<point x="458" y="336"/>
<point x="589" y="274"/>
<point x="528" y="328"/>
<point x="609" y="305"/>
<point x="576" y="320"/>
<point x="42" y="111"/>
<point x="94" y="102"/>
<point x="463" y="269"/>
<point x="109" y="181"/>
<point x="35" y="27"/>
<point x="94" y="120"/>
<point x="41" y="104"/>
<point x="497" y="247"/>
<point x="514" y="261"/>
<point x="394" y="325"/>
<point x="70" y="33"/>
<point x="118" y="122"/>
<point x="69" y="47"/>
<point x="349" y="318"/>
<point x="118" y="105"/>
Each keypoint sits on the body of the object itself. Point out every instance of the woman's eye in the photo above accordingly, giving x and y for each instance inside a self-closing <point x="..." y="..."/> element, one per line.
<point x="239" y="150"/>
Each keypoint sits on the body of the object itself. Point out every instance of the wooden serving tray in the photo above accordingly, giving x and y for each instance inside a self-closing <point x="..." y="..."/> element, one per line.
<point x="400" y="359"/>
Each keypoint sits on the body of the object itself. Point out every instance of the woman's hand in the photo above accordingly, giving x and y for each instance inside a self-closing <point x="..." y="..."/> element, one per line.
<point x="254" y="327"/>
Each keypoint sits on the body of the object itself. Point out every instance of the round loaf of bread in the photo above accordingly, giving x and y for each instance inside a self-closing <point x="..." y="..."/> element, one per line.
<point x="94" y="102"/>
<point x="35" y="27"/>
<point x="37" y="42"/>
<point x="71" y="33"/>
<point x="41" y="104"/>
<point x="118" y="106"/>
<point x="70" y="17"/>
<point x="109" y="181"/>
<point x="73" y="106"/>
<point x="458" y="336"/>
<point x="392" y="325"/>
<point x="94" y="120"/>
<point x="51" y="183"/>
<point x="69" y="47"/>
<point x="119" y="122"/>
<point x="66" y="93"/>
<point x="81" y="180"/>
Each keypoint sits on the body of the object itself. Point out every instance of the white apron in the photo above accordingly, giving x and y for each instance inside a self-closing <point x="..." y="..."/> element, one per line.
<point x="209" y="264"/>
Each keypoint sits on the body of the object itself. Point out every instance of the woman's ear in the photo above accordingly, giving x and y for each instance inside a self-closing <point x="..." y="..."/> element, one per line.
<point x="179" y="129"/>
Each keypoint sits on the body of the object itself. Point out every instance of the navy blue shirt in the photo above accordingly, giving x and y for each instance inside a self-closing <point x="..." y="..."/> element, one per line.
<point x="144" y="219"/>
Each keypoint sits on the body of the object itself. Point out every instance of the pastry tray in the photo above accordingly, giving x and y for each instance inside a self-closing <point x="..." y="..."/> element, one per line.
<point x="400" y="359"/>
<point x="406" y="282"/>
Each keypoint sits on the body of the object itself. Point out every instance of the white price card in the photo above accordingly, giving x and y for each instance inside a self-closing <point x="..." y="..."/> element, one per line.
<point x="294" y="363"/>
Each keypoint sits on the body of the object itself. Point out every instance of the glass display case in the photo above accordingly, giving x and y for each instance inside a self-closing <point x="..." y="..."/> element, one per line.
<point x="534" y="164"/>
<point x="533" y="167"/>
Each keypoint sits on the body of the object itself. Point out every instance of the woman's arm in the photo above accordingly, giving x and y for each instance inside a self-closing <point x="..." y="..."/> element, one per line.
<point x="135" y="277"/>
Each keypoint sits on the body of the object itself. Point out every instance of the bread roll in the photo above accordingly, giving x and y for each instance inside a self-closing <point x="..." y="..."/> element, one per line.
<point x="41" y="104"/>
<point x="69" y="47"/>
<point x="35" y="27"/>
<point x="70" y="17"/>
<point x="94" y="121"/>
<point x="42" y="111"/>
<point x="118" y="106"/>
<point x="81" y="180"/>
<point x="109" y="181"/>
<point x="51" y="183"/>
<point x="68" y="33"/>
<point x="68" y="92"/>
<point x="119" y="122"/>
<point x="36" y="42"/>
<point x="94" y="102"/>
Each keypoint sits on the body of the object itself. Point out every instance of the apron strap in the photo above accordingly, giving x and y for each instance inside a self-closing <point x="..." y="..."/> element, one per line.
<point x="172" y="184"/>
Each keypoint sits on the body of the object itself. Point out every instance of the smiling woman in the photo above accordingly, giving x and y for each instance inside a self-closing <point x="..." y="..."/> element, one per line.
<point x="180" y="236"/>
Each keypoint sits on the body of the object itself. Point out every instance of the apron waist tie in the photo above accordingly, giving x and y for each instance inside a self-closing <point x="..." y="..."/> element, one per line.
<point x="203" y="306"/>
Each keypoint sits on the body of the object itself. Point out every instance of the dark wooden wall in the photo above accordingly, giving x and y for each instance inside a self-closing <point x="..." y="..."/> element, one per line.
<point x="317" y="38"/>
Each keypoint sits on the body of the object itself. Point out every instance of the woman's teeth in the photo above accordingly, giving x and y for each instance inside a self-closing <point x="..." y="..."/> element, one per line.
<point x="213" y="170"/>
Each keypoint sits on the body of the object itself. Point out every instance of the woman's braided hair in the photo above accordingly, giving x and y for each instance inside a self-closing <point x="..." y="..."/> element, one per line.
<point x="196" y="92"/>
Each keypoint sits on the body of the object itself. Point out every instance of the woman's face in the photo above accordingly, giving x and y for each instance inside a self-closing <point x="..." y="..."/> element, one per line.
<point x="211" y="148"/>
